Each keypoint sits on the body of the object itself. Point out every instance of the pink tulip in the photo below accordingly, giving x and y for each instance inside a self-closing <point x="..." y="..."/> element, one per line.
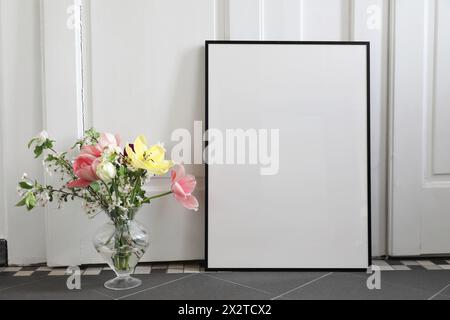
<point x="107" y="140"/>
<point x="91" y="150"/>
<point x="84" y="168"/>
<point x="182" y="187"/>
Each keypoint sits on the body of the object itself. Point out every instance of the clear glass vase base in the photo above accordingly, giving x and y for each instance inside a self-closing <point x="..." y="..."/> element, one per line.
<point x="123" y="283"/>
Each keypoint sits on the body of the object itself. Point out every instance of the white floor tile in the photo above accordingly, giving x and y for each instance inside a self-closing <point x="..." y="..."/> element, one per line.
<point x="433" y="267"/>
<point x="401" y="268"/>
<point x="191" y="268"/>
<point x="12" y="269"/>
<point x="172" y="270"/>
<point x="425" y="263"/>
<point x="445" y="266"/>
<point x="58" y="272"/>
<point x="44" y="269"/>
<point x="23" y="273"/>
<point x="143" y="270"/>
<point x="92" y="271"/>
<point x="383" y="265"/>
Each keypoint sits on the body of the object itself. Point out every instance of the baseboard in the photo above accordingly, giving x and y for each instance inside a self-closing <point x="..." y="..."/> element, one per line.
<point x="3" y="253"/>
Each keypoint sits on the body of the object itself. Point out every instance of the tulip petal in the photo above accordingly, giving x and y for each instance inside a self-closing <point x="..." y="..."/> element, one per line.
<point x="190" y="202"/>
<point x="87" y="173"/>
<point x="177" y="190"/>
<point x="107" y="139"/>
<point x="188" y="184"/>
<point x="91" y="150"/>
<point x="177" y="173"/>
<point x="118" y="139"/>
<point x="80" y="183"/>
<point x="82" y="161"/>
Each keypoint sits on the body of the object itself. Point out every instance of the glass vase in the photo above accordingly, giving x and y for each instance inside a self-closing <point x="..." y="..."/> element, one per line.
<point x="122" y="242"/>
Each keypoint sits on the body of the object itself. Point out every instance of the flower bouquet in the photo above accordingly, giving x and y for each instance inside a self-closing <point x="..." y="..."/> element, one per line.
<point x="108" y="178"/>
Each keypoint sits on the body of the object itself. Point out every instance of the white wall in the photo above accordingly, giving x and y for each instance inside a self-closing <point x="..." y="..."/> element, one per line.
<point x="21" y="105"/>
<point x="21" y="115"/>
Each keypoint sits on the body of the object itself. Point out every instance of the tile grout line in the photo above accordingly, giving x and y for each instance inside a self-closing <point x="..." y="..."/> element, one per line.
<point x="154" y="287"/>
<point x="237" y="284"/>
<point x="103" y="294"/>
<point x="439" y="292"/>
<point x="302" y="286"/>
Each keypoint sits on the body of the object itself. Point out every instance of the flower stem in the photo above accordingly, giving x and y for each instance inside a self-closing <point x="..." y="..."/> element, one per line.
<point x="158" y="196"/>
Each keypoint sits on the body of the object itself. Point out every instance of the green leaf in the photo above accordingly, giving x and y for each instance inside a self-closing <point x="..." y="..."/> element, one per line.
<point x="48" y="144"/>
<point x="92" y="133"/>
<point x="25" y="185"/>
<point x="31" y="142"/>
<point x="30" y="201"/>
<point x="122" y="171"/>
<point x="21" y="203"/>
<point x="38" y="151"/>
<point x="95" y="186"/>
<point x="50" y="158"/>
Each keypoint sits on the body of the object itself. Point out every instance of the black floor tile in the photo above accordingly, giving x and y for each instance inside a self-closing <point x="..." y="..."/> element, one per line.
<point x="274" y="283"/>
<point x="427" y="280"/>
<point x="439" y="261"/>
<point x="442" y="297"/>
<point x="444" y="294"/>
<point x="346" y="286"/>
<point x="148" y="281"/>
<point x="395" y="262"/>
<point x="50" y="288"/>
<point x="200" y="286"/>
<point x="7" y="280"/>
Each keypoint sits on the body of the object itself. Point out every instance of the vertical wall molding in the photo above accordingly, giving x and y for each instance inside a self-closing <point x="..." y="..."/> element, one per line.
<point x="3" y="207"/>
<point x="391" y="123"/>
<point x="429" y="97"/>
<point x="221" y="19"/>
<point x="351" y="20"/>
<point x="301" y="20"/>
<point x="261" y="6"/>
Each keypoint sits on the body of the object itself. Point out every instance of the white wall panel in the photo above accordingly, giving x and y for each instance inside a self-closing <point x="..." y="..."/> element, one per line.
<point x="370" y="23"/>
<point x="282" y="19"/>
<point x="151" y="65"/>
<point x="408" y="57"/>
<point x="146" y="73"/>
<point x="3" y="206"/>
<point x="326" y="20"/>
<point x="441" y="101"/>
<point x="64" y="227"/>
<point x="246" y="19"/>
<point x="21" y="118"/>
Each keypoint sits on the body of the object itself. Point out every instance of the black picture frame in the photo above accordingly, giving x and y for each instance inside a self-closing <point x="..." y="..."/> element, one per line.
<point x="369" y="213"/>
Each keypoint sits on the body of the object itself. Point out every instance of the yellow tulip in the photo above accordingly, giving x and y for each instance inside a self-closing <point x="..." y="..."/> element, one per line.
<point x="148" y="158"/>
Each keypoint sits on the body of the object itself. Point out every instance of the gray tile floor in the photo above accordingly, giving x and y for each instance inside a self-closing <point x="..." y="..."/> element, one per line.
<point x="413" y="284"/>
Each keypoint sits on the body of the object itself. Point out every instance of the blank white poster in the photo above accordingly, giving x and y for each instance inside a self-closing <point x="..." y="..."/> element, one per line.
<point x="294" y="193"/>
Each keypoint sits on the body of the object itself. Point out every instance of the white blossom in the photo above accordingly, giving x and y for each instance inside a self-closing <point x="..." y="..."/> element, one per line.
<point x="42" y="137"/>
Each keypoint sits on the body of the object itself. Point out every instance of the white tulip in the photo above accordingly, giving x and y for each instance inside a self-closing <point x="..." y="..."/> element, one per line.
<point x="106" y="171"/>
